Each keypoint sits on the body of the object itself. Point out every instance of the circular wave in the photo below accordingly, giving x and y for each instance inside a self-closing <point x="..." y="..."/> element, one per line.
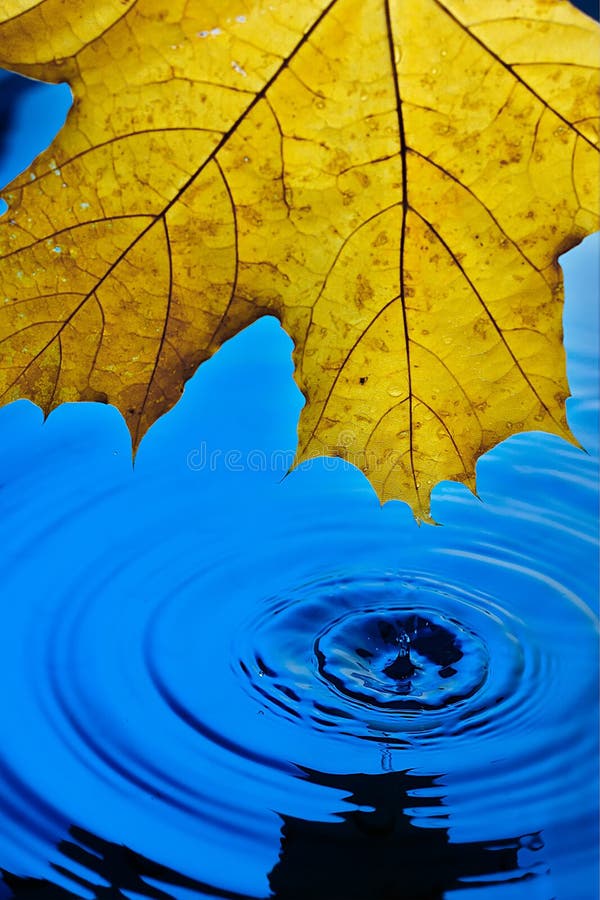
<point x="188" y="681"/>
<point x="197" y="675"/>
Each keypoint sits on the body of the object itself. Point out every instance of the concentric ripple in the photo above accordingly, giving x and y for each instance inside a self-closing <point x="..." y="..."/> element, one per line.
<point x="319" y="659"/>
<point x="187" y="682"/>
<point x="397" y="659"/>
<point x="371" y="656"/>
<point x="186" y="675"/>
<point x="194" y="676"/>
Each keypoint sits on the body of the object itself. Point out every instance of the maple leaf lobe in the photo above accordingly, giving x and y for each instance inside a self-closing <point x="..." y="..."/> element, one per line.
<point x="395" y="184"/>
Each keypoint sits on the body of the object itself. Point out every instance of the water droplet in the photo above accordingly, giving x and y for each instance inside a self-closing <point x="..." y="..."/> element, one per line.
<point x="391" y="659"/>
<point x="401" y="668"/>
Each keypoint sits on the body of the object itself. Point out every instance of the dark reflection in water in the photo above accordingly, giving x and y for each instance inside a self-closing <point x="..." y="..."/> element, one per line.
<point x="379" y="854"/>
<point x="120" y="868"/>
<point x="373" y="852"/>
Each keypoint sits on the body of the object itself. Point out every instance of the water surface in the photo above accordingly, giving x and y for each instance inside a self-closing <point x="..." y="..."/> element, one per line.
<point x="220" y="681"/>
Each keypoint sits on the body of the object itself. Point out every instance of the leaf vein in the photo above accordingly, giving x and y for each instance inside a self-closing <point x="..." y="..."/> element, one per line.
<point x="509" y="68"/>
<point x="487" y="310"/>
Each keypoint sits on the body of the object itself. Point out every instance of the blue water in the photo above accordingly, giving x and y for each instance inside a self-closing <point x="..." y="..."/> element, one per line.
<point x="196" y="652"/>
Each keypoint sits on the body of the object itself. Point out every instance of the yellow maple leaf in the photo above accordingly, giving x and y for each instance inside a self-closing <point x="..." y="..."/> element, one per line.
<point x="394" y="181"/>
